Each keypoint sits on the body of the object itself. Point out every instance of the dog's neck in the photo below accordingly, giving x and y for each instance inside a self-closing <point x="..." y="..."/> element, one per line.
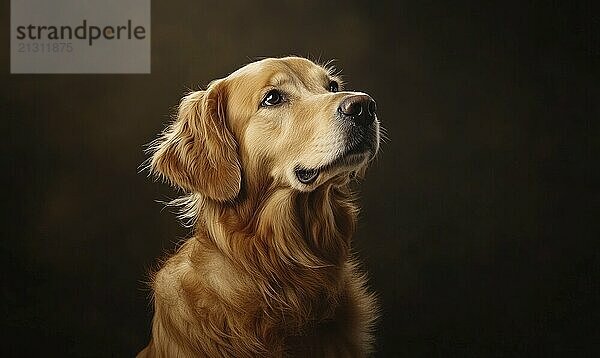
<point x="295" y="241"/>
<point x="307" y="229"/>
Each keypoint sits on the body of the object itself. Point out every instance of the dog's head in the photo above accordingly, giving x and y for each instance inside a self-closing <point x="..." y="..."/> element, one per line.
<point x="284" y="120"/>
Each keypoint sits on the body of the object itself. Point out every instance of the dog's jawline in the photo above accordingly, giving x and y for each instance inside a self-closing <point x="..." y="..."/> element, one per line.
<point x="350" y="157"/>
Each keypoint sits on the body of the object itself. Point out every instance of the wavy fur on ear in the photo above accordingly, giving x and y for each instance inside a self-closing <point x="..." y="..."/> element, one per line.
<point x="197" y="152"/>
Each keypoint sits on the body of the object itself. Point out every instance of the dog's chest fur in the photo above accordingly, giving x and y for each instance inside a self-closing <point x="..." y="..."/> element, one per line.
<point x="205" y="306"/>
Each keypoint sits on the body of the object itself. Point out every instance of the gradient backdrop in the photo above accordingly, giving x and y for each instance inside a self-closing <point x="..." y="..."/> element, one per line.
<point x="479" y="223"/>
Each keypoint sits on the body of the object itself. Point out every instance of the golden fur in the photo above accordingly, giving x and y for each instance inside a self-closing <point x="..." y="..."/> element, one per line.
<point x="268" y="271"/>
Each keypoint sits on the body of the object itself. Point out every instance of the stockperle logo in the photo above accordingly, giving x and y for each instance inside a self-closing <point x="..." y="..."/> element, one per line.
<point x="76" y="36"/>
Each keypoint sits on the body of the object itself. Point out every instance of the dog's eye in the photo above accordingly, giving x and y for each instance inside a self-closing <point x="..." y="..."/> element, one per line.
<point x="334" y="86"/>
<point x="273" y="98"/>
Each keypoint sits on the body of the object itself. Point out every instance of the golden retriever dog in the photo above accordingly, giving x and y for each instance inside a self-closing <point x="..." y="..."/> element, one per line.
<point x="266" y="156"/>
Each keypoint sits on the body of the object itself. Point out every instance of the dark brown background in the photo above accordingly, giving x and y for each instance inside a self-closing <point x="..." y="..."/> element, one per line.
<point x="478" y="226"/>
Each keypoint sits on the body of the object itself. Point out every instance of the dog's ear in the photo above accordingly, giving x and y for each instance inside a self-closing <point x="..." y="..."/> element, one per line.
<point x="197" y="151"/>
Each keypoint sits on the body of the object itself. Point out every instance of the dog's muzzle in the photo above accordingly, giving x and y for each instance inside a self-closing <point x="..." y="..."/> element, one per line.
<point x="358" y="114"/>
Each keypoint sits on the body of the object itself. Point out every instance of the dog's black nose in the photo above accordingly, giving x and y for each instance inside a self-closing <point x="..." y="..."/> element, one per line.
<point x="360" y="109"/>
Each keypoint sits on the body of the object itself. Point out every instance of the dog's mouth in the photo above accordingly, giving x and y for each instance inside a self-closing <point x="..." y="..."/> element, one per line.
<point x="349" y="158"/>
<point x="360" y="147"/>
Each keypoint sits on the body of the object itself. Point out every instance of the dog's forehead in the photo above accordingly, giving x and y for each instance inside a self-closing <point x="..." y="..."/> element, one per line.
<point x="272" y="71"/>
